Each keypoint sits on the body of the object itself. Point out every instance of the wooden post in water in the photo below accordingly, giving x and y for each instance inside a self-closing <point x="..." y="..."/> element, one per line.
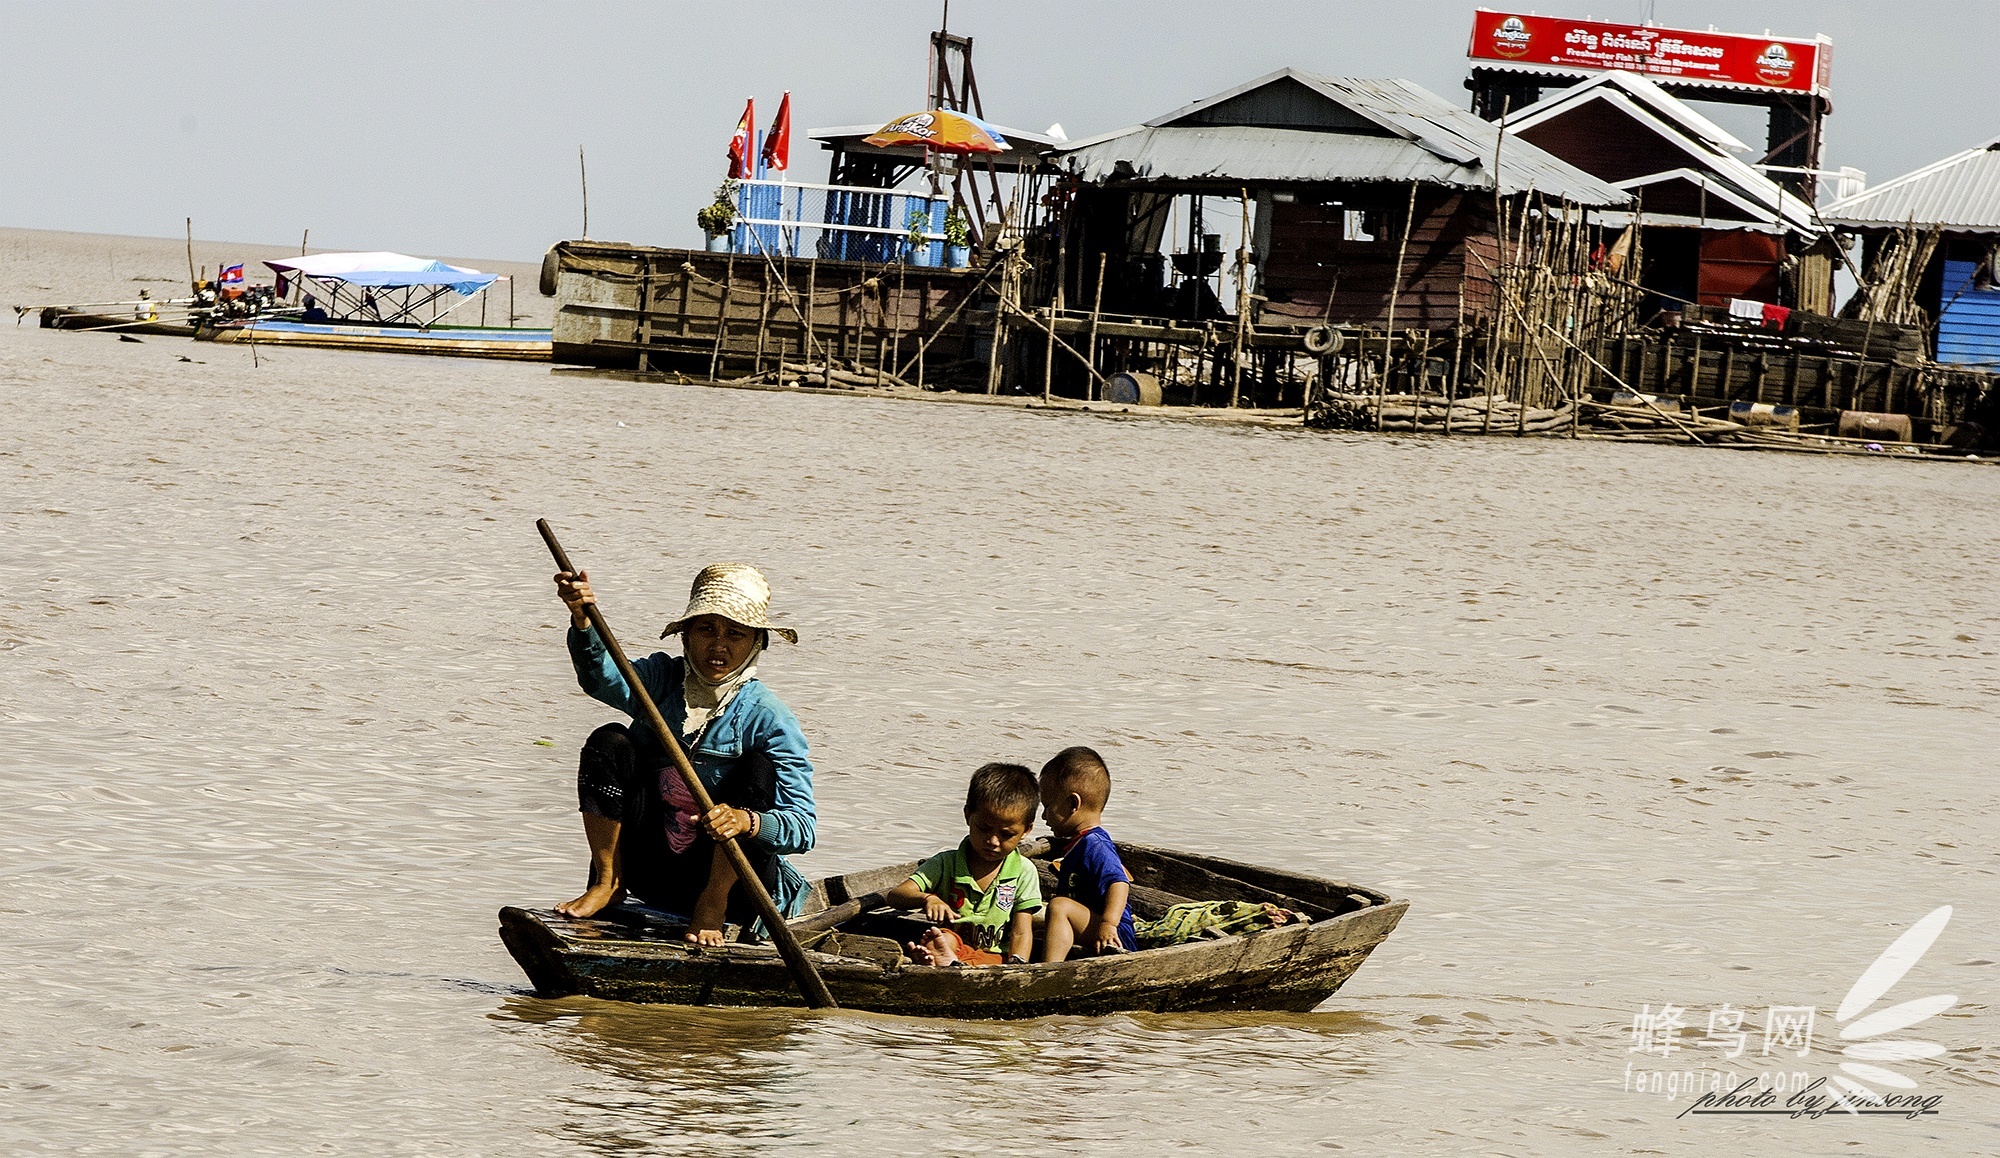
<point x="722" y="315"/>
<point x="1000" y="308"/>
<point x="923" y="326"/>
<point x="763" y="316"/>
<point x="1395" y="292"/>
<point x="896" y="341"/>
<point x="807" y="343"/>
<point x="1243" y="299"/>
<point x="1090" y="346"/>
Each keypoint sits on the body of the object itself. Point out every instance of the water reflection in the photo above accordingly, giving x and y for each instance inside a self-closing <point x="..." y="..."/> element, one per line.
<point x="733" y="1075"/>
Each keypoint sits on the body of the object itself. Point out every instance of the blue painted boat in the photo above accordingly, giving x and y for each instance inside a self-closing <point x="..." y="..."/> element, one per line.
<point x="383" y="302"/>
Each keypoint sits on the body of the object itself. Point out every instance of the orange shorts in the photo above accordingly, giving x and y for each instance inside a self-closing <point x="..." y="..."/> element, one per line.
<point x="967" y="953"/>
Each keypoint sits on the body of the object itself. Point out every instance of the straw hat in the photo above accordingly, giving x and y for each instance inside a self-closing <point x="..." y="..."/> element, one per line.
<point x="735" y="591"/>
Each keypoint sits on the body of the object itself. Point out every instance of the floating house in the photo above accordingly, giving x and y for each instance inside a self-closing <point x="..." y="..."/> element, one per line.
<point x="1715" y="228"/>
<point x="1957" y="199"/>
<point x="1368" y="201"/>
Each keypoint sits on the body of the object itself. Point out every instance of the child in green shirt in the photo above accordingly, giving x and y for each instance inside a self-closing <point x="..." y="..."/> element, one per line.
<point x="983" y="894"/>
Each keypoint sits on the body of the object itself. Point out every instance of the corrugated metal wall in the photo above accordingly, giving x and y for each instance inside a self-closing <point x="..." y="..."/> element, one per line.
<point x="1969" y="330"/>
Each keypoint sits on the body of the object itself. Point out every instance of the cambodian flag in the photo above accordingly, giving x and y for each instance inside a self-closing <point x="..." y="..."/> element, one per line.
<point x="231" y="275"/>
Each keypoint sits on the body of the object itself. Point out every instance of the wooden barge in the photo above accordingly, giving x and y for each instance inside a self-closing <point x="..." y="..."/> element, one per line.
<point x="724" y="315"/>
<point x="628" y="954"/>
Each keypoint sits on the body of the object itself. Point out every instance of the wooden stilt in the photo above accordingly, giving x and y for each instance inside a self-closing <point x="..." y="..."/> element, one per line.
<point x="1096" y="306"/>
<point x="722" y="316"/>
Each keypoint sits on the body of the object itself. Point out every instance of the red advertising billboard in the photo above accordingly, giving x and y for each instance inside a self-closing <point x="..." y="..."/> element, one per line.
<point x="1723" y="59"/>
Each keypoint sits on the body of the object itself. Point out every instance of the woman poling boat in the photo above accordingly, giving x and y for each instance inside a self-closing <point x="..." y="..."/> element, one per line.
<point x="652" y="923"/>
<point x="639" y="819"/>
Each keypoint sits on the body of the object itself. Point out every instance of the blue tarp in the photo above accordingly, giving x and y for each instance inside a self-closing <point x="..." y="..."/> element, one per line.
<point x="382" y="270"/>
<point x="464" y="282"/>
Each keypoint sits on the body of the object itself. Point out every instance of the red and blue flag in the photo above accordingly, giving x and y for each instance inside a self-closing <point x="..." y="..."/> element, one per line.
<point x="231" y="275"/>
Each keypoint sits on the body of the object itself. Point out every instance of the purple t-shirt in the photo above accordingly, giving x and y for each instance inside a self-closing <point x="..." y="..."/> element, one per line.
<point x="1087" y="869"/>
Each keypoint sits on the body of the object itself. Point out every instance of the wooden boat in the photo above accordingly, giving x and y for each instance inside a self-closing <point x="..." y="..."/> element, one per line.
<point x="631" y="954"/>
<point x="448" y="341"/>
<point x="68" y="318"/>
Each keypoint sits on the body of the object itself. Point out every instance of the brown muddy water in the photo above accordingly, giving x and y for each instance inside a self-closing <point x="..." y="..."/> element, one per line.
<point x="285" y="717"/>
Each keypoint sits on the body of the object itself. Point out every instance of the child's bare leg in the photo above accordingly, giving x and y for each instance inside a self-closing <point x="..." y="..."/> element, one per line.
<point x="938" y="946"/>
<point x="711" y="909"/>
<point x="606" y="869"/>
<point x="1067" y="919"/>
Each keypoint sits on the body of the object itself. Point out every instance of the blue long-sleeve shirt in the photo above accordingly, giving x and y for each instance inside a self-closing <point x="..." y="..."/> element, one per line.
<point x="755" y="723"/>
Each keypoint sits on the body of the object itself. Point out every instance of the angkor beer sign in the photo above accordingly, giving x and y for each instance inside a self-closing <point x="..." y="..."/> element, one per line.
<point x="1669" y="54"/>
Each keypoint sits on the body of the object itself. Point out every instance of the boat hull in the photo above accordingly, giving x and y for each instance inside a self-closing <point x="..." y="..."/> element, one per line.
<point x="438" y="341"/>
<point x="1289" y="968"/>
<point x="58" y="318"/>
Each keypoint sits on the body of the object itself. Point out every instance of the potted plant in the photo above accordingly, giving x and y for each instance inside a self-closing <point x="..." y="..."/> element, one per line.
<point x="957" y="238"/>
<point x="917" y="235"/>
<point x="718" y="216"/>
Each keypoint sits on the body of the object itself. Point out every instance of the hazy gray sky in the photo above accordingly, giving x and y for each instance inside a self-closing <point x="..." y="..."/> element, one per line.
<point x="452" y="127"/>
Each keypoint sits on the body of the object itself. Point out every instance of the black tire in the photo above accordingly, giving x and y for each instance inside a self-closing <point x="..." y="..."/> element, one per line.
<point x="548" y="282"/>
<point x="1324" y="340"/>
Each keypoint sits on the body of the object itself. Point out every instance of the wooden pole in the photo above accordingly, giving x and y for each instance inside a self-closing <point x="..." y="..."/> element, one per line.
<point x="812" y="287"/>
<point x="1096" y="307"/>
<point x="192" y="279"/>
<point x="1000" y="311"/>
<point x="763" y="317"/>
<point x="1496" y="320"/>
<point x="1457" y="356"/>
<point x="583" y="176"/>
<point x="811" y="985"/>
<point x="721" y="315"/>
<point x="1395" y="292"/>
<point x="1243" y="302"/>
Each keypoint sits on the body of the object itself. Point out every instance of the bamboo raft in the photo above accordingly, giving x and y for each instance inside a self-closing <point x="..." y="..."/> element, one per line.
<point x="633" y="954"/>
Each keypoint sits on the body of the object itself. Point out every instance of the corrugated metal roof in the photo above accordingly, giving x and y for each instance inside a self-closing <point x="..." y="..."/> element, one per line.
<point x="1960" y="192"/>
<point x="1706" y="144"/>
<point x="1433" y="142"/>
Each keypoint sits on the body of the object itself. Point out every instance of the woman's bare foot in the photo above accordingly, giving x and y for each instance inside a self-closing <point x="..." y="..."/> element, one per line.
<point x="938" y="946"/>
<point x="593" y="901"/>
<point x="705" y="923"/>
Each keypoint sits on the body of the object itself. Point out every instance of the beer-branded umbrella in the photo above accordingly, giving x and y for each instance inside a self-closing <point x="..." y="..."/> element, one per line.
<point x="940" y="131"/>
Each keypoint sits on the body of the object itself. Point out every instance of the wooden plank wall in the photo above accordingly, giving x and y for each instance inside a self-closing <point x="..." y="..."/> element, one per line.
<point x="732" y="314"/>
<point x="1451" y="247"/>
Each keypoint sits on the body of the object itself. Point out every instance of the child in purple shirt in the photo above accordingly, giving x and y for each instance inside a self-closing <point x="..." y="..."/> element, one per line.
<point x="1089" y="908"/>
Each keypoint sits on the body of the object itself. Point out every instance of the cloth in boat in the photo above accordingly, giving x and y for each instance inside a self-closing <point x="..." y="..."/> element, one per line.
<point x="752" y="730"/>
<point x="616" y="779"/>
<point x="1197" y="919"/>
<point x="983" y="914"/>
<point x="1086" y="868"/>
